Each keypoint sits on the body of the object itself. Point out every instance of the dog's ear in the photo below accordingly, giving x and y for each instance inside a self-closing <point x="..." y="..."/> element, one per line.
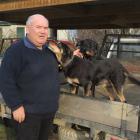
<point x="56" y="50"/>
<point x="53" y="47"/>
<point x="76" y="40"/>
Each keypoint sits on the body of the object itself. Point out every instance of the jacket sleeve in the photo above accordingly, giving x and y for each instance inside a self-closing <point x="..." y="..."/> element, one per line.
<point x="9" y="71"/>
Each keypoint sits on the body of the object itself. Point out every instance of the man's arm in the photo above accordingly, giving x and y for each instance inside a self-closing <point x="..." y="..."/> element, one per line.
<point x="10" y="68"/>
<point x="78" y="53"/>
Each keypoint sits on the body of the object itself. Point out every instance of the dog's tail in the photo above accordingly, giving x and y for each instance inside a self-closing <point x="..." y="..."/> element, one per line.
<point x="132" y="78"/>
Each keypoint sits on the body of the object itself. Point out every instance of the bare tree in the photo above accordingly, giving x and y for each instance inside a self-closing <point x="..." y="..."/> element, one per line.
<point x="98" y="34"/>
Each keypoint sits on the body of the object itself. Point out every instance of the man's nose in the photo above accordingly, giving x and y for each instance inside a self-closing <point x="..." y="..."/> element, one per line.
<point x="42" y="30"/>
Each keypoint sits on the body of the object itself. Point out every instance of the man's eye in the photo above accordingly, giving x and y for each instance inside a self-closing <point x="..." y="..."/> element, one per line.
<point x="38" y="27"/>
<point x="45" y="28"/>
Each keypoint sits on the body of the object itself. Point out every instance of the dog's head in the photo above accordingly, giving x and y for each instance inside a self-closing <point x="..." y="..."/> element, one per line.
<point x="88" y="47"/>
<point x="53" y="46"/>
<point x="67" y="49"/>
<point x="62" y="49"/>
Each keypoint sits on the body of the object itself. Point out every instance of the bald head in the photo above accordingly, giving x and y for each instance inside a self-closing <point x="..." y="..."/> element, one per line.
<point x="37" y="29"/>
<point x="35" y="17"/>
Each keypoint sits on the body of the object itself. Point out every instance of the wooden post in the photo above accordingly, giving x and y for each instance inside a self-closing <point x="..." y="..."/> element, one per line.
<point x="53" y="33"/>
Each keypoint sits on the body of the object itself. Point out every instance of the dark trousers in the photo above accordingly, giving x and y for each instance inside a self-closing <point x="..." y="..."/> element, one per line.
<point x="35" y="127"/>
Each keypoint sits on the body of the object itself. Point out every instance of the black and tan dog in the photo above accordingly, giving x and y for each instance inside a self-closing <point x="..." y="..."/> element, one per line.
<point x="88" y="74"/>
<point x="63" y="51"/>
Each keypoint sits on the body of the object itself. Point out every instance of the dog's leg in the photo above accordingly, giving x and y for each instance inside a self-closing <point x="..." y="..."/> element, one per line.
<point x="110" y="91"/>
<point x="87" y="89"/>
<point x="74" y="89"/>
<point x="118" y="84"/>
<point x="121" y="95"/>
<point x="93" y="89"/>
<point x="119" y="92"/>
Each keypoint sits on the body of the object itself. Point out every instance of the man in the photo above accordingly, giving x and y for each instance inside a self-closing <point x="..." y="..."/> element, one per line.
<point x="29" y="81"/>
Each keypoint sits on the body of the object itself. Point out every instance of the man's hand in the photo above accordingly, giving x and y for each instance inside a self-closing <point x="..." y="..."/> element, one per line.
<point x="19" y="114"/>
<point x="78" y="53"/>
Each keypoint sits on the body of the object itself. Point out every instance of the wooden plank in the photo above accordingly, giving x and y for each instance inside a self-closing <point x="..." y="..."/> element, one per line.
<point x="104" y="112"/>
<point x="24" y="4"/>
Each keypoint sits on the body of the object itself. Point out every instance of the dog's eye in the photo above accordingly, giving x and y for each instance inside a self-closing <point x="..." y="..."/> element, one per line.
<point x="83" y="49"/>
<point x="78" y="47"/>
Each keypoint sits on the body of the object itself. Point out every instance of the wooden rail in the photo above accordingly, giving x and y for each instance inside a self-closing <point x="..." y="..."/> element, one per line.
<point x="114" y="114"/>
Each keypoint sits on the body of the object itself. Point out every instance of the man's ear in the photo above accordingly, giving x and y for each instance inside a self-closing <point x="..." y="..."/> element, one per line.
<point x="27" y="29"/>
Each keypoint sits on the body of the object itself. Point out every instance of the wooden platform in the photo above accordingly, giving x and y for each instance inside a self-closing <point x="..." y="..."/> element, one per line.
<point x="114" y="114"/>
<point x="115" y="118"/>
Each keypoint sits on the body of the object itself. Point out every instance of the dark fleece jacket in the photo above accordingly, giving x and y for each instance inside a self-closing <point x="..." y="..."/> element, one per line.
<point x="29" y="77"/>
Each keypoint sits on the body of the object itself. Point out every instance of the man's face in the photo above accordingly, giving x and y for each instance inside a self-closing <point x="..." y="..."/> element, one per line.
<point x="37" y="31"/>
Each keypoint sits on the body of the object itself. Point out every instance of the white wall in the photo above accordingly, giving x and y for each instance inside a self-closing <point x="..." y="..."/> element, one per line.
<point x="9" y="31"/>
<point x="66" y="34"/>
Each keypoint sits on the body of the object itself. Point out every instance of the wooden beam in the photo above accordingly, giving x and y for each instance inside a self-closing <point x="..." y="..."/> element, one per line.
<point x="25" y="4"/>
